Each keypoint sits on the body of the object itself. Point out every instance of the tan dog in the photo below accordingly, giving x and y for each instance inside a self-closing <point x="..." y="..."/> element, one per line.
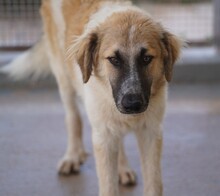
<point x="118" y="60"/>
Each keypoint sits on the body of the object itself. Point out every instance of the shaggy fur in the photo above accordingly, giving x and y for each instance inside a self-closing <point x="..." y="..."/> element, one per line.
<point x="118" y="60"/>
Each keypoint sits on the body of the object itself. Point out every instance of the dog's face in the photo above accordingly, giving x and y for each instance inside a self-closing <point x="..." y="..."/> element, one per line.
<point x="129" y="77"/>
<point x="133" y="54"/>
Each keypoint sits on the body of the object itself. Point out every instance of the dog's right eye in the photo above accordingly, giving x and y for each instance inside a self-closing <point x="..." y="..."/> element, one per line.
<point x="114" y="61"/>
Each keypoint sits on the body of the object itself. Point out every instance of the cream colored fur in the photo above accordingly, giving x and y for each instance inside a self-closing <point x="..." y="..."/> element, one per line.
<point x="108" y="125"/>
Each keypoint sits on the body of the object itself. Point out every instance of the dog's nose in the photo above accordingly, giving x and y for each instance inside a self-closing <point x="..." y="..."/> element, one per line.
<point x="132" y="102"/>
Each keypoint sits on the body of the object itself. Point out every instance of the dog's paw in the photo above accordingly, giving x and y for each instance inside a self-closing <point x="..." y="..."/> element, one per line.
<point x="127" y="177"/>
<point x="71" y="164"/>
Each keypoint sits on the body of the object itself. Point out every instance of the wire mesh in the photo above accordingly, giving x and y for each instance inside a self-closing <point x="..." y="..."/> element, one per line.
<point x="20" y="23"/>
<point x="190" y="19"/>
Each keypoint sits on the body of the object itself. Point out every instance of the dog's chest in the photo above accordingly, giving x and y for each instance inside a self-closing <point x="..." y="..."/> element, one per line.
<point x="103" y="113"/>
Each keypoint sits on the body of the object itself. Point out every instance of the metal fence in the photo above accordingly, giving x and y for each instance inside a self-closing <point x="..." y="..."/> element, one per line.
<point x="20" y="24"/>
<point x="190" y="19"/>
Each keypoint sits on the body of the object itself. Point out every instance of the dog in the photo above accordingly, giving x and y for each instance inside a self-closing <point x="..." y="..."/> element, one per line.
<point x="118" y="60"/>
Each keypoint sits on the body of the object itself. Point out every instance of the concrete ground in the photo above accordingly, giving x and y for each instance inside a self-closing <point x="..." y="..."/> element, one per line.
<point x="33" y="139"/>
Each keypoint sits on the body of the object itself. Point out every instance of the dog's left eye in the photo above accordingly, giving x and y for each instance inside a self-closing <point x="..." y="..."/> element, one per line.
<point x="147" y="59"/>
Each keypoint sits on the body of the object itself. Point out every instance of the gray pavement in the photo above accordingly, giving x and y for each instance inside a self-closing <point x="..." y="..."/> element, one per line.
<point x="33" y="139"/>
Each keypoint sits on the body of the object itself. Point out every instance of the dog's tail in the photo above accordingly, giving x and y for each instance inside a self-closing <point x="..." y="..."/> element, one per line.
<point x="33" y="63"/>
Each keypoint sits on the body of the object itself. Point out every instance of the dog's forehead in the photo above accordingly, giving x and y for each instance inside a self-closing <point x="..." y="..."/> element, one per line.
<point x="130" y="35"/>
<point x="129" y="45"/>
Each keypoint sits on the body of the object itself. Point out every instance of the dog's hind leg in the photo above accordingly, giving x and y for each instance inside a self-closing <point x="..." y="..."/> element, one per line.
<point x="127" y="176"/>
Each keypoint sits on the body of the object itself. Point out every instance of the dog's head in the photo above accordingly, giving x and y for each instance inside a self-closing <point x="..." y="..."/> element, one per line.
<point x="133" y="54"/>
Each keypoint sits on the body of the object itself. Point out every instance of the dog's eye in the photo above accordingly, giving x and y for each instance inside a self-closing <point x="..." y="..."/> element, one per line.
<point x="114" y="61"/>
<point x="147" y="59"/>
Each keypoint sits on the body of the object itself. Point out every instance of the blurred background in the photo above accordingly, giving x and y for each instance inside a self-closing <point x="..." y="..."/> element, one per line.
<point x="32" y="137"/>
<point x="193" y="20"/>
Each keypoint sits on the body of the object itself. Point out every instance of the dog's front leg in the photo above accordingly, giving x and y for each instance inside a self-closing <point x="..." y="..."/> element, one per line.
<point x="106" y="154"/>
<point x="127" y="176"/>
<point x="150" y="145"/>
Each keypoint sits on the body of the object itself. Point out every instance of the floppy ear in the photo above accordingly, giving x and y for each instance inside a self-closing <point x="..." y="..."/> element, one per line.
<point x="85" y="52"/>
<point x="172" y="47"/>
